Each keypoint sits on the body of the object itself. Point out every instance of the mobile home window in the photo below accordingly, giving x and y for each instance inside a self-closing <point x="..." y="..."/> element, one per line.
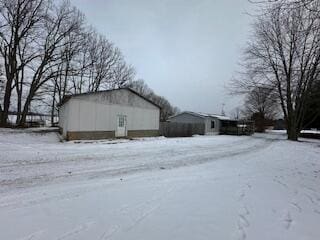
<point x="212" y="124"/>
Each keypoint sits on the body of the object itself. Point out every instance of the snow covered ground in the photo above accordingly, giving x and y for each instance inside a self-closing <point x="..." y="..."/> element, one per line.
<point x="206" y="187"/>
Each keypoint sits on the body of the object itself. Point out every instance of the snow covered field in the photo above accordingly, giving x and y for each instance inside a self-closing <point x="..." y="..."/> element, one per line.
<point x="206" y="187"/>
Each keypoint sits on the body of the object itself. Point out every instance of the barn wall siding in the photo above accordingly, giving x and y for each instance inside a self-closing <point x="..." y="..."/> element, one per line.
<point x="90" y="116"/>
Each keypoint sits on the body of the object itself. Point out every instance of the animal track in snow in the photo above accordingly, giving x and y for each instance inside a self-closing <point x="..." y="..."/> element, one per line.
<point x="33" y="235"/>
<point x="242" y="194"/>
<point x="109" y="233"/>
<point x="243" y="214"/>
<point x="280" y="182"/>
<point x="297" y="206"/>
<point x="315" y="200"/>
<point x="288" y="221"/>
<point x="242" y="232"/>
<point x="243" y="223"/>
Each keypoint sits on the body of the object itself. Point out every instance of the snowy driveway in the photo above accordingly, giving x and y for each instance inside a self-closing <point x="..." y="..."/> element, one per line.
<point x="218" y="187"/>
<point x="28" y="160"/>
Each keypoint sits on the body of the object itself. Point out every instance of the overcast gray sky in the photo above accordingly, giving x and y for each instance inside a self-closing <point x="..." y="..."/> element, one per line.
<point x="185" y="50"/>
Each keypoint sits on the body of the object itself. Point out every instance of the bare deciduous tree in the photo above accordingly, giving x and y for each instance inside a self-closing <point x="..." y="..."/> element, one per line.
<point x="121" y="75"/>
<point x="59" y="23"/>
<point x="260" y="105"/>
<point x="167" y="109"/>
<point x="18" y="18"/>
<point x="284" y="55"/>
<point x="48" y="52"/>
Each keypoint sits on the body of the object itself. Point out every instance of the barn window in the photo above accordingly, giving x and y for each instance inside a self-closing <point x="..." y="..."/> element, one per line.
<point x="212" y="124"/>
<point x="121" y="121"/>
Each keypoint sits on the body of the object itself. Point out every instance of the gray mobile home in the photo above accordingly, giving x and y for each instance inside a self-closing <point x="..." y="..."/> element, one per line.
<point x="108" y="114"/>
<point x="212" y="122"/>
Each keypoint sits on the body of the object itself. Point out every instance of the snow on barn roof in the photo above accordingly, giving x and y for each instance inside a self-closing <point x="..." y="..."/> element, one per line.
<point x="221" y="117"/>
<point x="204" y="115"/>
<point x="68" y="97"/>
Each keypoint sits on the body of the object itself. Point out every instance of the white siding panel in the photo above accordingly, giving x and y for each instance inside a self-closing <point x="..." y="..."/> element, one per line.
<point x="101" y="117"/>
<point x="87" y="116"/>
<point x="105" y="119"/>
<point x="143" y="119"/>
<point x="64" y="118"/>
<point x="73" y="115"/>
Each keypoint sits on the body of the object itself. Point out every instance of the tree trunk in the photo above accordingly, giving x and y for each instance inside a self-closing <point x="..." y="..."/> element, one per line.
<point x="24" y="113"/>
<point x="0" y="112"/>
<point x="53" y="104"/>
<point x="6" y="106"/>
<point x="26" y="107"/>
<point x="19" y="86"/>
<point x="18" y="111"/>
<point x="292" y="130"/>
<point x="19" y="105"/>
<point x="292" y="134"/>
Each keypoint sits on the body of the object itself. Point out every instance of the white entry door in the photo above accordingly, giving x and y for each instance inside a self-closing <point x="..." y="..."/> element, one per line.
<point x="121" y="126"/>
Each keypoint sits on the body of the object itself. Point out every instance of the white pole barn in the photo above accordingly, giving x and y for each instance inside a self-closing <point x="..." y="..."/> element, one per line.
<point x="108" y="114"/>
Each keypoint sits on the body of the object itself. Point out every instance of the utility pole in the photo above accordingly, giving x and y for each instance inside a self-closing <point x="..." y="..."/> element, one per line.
<point x="222" y="110"/>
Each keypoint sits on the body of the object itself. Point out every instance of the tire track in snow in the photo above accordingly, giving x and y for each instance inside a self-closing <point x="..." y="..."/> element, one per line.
<point x="102" y="168"/>
<point x="76" y="230"/>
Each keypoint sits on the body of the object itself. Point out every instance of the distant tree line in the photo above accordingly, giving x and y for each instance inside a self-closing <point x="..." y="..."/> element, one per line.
<point x="282" y="63"/>
<point x="167" y="109"/>
<point x="48" y="51"/>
